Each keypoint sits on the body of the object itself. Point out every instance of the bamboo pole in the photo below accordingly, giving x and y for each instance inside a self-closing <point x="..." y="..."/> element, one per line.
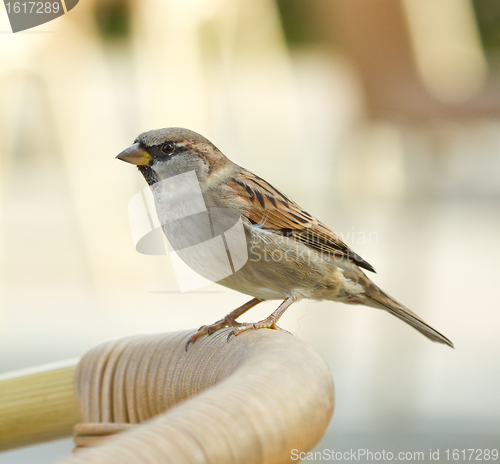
<point x="37" y="404"/>
<point x="145" y="399"/>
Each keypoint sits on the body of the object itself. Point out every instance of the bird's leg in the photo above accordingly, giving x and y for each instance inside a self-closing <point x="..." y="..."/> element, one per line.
<point x="228" y="321"/>
<point x="268" y="323"/>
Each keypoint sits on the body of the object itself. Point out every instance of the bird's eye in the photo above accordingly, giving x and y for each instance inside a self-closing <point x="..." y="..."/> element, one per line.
<point x="168" y="148"/>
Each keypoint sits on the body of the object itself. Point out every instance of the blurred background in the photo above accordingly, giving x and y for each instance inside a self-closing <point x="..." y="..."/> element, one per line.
<point x="380" y="117"/>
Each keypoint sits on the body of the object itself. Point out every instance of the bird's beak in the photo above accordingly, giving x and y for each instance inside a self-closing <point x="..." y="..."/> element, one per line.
<point x="135" y="155"/>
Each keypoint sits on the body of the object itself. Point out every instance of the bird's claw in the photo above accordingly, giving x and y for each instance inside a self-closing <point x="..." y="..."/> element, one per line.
<point x="265" y="324"/>
<point x="211" y="329"/>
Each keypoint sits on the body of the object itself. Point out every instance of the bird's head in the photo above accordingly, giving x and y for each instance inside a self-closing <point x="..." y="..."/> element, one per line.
<point x="164" y="153"/>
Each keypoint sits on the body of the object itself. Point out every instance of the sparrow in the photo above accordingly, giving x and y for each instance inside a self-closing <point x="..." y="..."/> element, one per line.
<point x="291" y="254"/>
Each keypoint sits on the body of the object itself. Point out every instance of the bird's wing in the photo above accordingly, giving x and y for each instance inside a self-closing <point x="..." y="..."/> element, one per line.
<point x="271" y="210"/>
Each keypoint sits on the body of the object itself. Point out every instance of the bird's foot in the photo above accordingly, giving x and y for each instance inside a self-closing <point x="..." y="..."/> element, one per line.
<point x="210" y="329"/>
<point x="228" y="321"/>
<point x="264" y="324"/>
<point x="267" y="323"/>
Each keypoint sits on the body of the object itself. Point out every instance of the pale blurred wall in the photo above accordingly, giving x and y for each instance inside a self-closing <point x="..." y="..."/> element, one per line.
<point x="406" y="178"/>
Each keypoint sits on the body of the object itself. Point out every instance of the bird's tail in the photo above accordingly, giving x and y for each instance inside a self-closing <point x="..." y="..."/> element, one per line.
<point x="377" y="298"/>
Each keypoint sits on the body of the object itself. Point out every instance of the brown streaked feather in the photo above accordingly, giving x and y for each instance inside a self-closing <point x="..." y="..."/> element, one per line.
<point x="273" y="211"/>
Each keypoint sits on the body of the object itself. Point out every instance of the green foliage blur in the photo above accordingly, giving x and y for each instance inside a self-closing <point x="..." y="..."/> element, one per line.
<point x="488" y="18"/>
